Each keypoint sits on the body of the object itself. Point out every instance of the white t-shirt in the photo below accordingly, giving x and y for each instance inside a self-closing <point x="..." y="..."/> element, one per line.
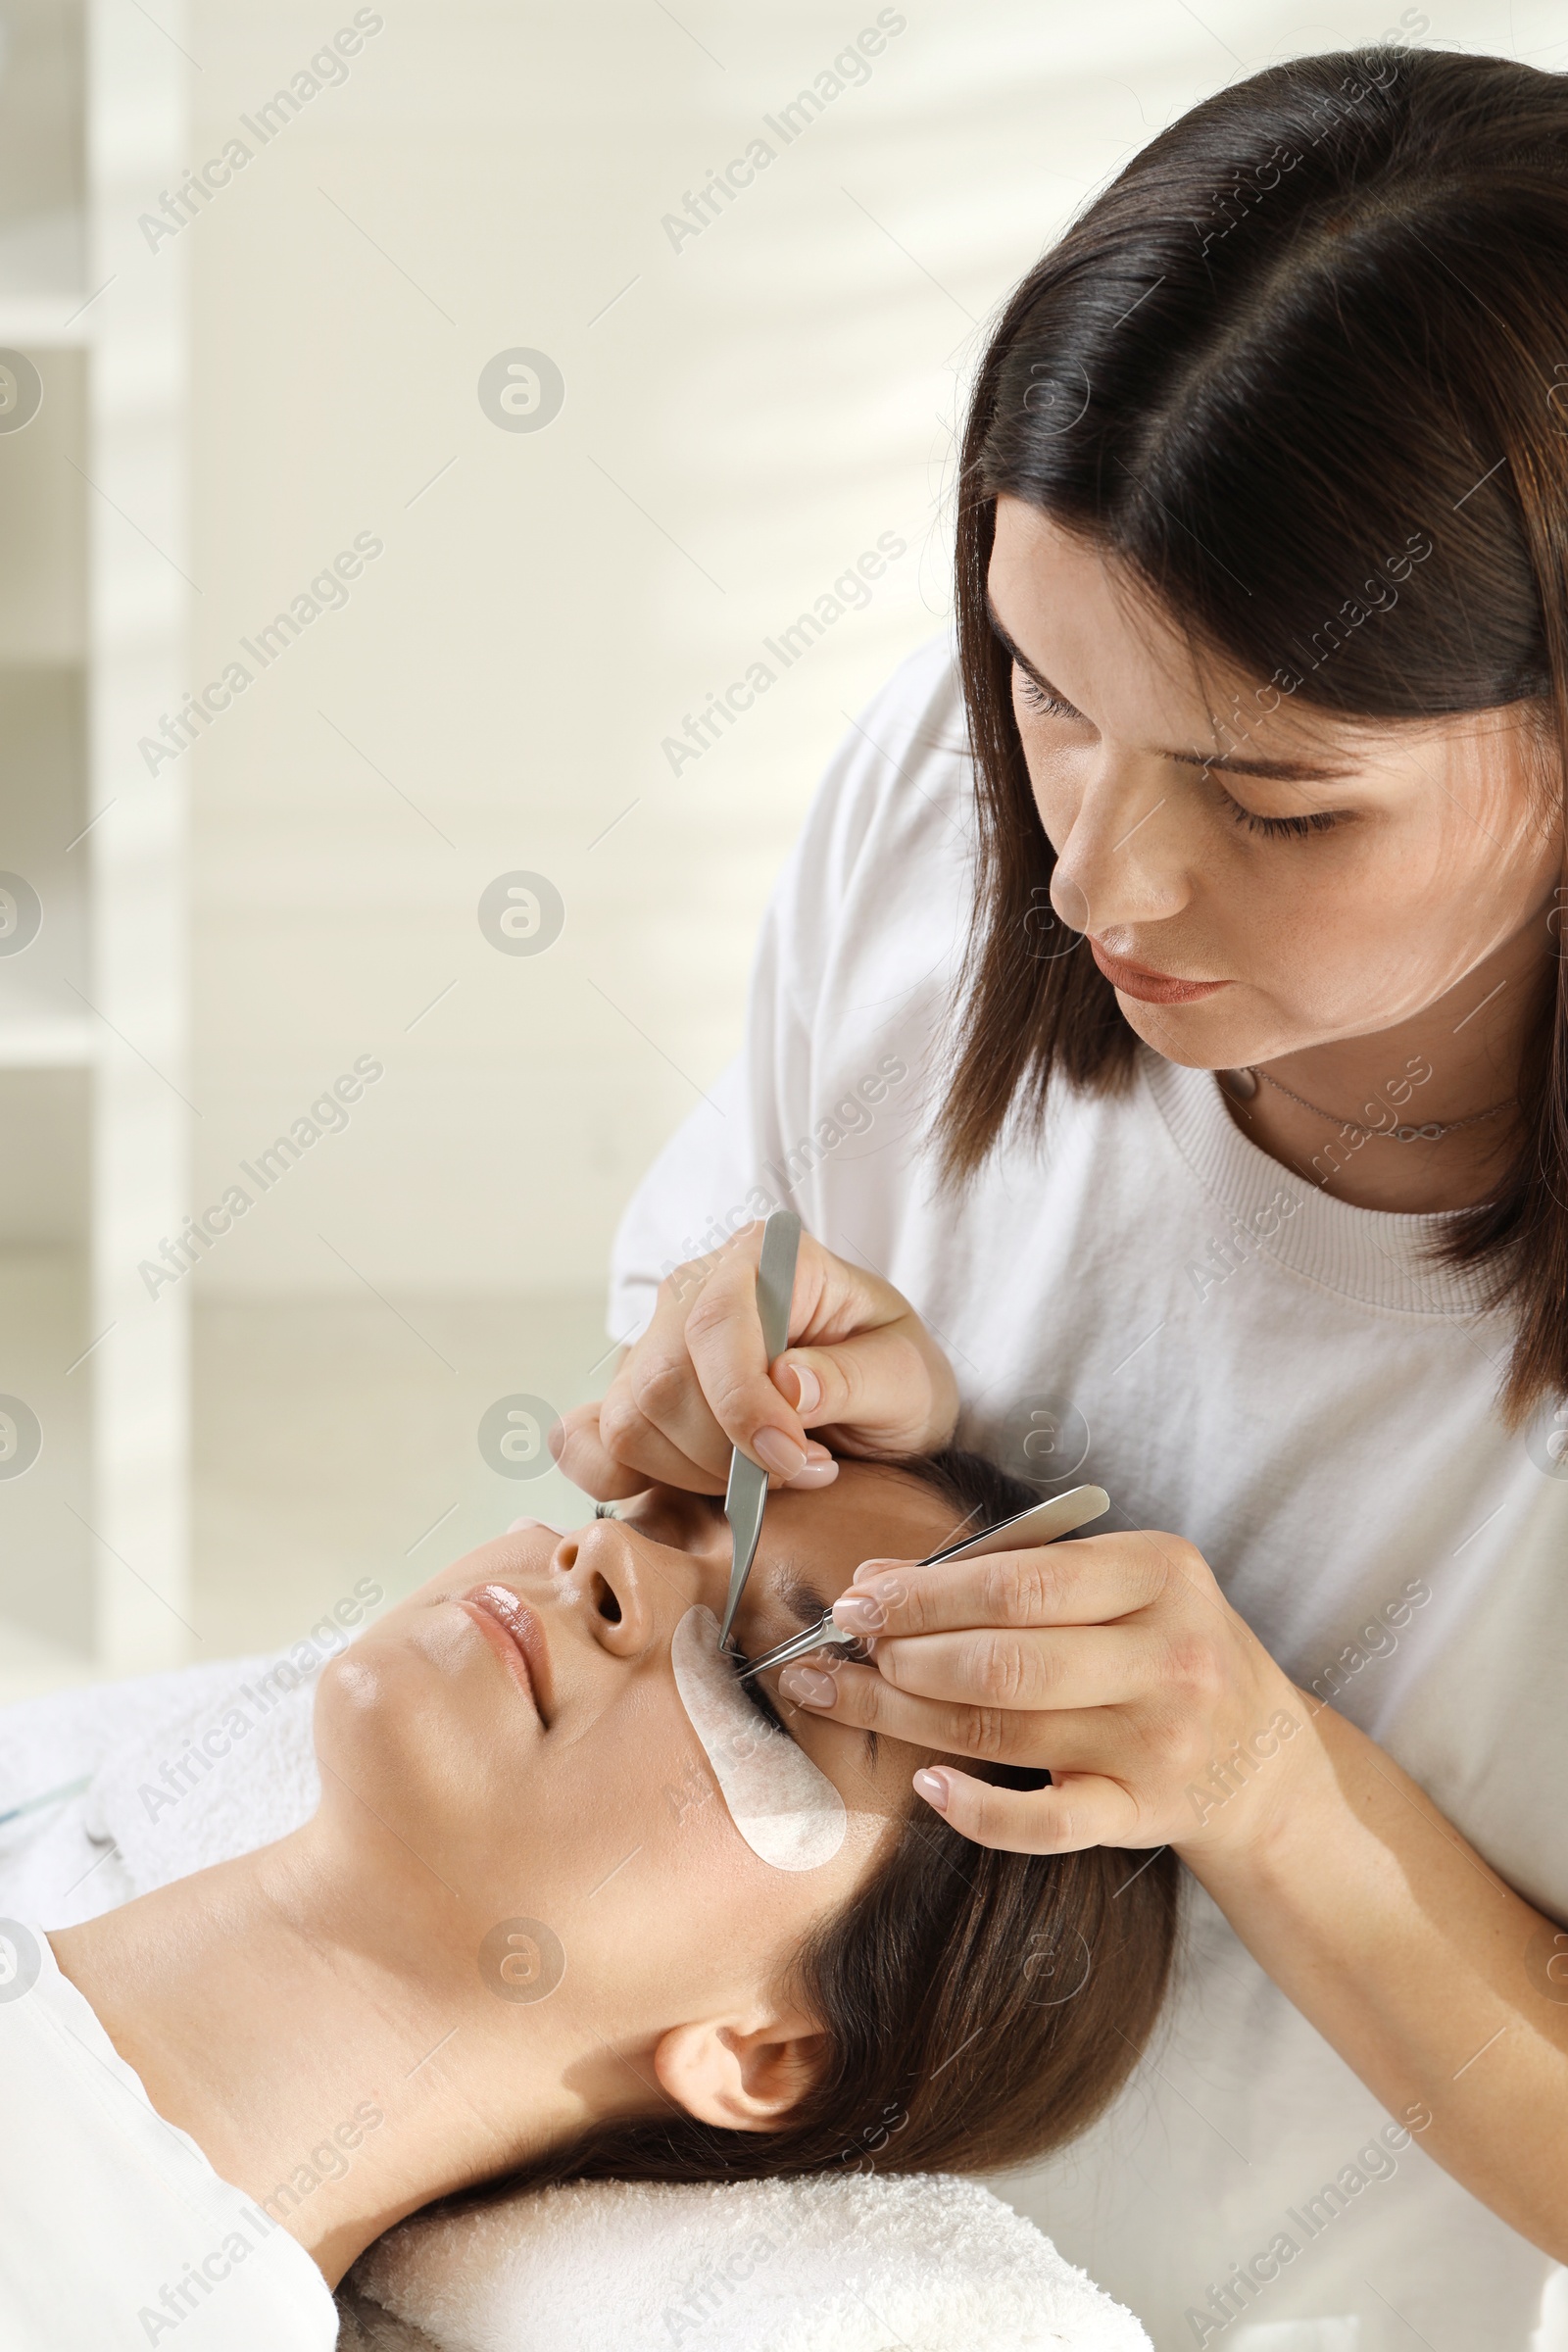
<point x="115" y="2231"/>
<point x="1148" y="1301"/>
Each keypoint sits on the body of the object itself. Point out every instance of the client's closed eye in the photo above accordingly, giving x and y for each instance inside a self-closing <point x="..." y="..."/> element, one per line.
<point x="802" y="1605"/>
<point x="765" y="1705"/>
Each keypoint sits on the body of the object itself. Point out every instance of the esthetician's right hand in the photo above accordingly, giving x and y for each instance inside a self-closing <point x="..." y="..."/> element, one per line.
<point x="862" y="1372"/>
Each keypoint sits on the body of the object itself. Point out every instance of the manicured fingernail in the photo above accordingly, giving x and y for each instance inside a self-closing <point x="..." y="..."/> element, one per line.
<point x="515" y="1527"/>
<point x="869" y="1568"/>
<point x="778" y="1453"/>
<point x="807" y="1686"/>
<point x="933" y="1787"/>
<point x="860" y="1614"/>
<point x="810" y="1387"/>
<point x="821" y="1471"/>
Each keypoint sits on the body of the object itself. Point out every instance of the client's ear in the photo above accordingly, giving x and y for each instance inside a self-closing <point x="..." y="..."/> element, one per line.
<point x="739" y="2078"/>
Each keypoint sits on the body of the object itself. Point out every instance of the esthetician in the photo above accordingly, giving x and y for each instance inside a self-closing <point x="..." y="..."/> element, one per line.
<point x="1175" y="1089"/>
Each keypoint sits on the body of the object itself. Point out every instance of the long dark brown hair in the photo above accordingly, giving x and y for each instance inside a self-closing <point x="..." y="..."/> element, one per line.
<point x="978" y="2008"/>
<point x="1303" y="369"/>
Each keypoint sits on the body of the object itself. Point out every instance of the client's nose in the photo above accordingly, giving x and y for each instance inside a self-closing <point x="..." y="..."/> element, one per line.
<point x="609" y="1584"/>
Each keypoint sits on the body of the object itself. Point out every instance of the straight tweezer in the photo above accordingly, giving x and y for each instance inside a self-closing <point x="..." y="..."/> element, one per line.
<point x="745" y="1495"/>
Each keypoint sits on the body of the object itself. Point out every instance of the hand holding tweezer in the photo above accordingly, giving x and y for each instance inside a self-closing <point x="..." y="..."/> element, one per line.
<point x="1041" y="1523"/>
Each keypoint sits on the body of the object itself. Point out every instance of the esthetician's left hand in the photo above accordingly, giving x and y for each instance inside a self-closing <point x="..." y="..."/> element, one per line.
<point x="1115" y="1661"/>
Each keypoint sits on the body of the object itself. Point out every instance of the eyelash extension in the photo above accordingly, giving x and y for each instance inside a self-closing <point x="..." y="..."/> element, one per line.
<point x="856" y="1652"/>
<point x="604" y="1510"/>
<point x="765" y="1706"/>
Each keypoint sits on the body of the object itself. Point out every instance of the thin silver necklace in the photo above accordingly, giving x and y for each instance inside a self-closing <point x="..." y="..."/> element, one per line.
<point x="1432" y="1132"/>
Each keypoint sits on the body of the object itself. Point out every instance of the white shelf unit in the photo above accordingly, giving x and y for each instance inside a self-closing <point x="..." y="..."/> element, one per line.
<point x="95" y="1127"/>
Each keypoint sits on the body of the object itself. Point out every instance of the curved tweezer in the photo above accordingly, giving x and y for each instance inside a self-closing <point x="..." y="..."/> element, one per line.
<point x="1041" y="1523"/>
<point x="745" y="1495"/>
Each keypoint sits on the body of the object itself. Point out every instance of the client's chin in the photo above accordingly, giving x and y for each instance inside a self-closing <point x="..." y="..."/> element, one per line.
<point x="421" y="1726"/>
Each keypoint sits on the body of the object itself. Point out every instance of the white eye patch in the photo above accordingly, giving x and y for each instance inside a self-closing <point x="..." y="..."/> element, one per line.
<point x="788" y="1812"/>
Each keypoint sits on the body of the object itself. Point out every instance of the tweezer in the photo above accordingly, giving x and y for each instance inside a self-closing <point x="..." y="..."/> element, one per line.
<point x="1041" y="1523"/>
<point x="745" y="1495"/>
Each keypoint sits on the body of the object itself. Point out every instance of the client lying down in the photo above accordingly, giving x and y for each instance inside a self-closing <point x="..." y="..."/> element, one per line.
<point x="574" y="1904"/>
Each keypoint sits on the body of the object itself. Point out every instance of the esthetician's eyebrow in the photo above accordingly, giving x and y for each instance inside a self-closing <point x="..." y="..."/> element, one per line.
<point x="1225" y="763"/>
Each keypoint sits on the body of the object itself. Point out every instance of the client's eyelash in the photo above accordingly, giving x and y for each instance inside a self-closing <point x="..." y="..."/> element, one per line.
<point x="604" y="1510"/>
<point x="855" y="1651"/>
<point x="765" y="1705"/>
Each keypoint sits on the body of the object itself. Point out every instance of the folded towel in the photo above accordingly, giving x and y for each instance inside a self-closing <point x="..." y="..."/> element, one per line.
<point x="849" y="2264"/>
<point x="364" y="2326"/>
<point x="46" y="1740"/>
<point x="61" y="1854"/>
<point x="231" y="1767"/>
<point x="193" y="1767"/>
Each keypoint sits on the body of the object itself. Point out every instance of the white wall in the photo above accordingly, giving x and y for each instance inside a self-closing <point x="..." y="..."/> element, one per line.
<point x="746" y="417"/>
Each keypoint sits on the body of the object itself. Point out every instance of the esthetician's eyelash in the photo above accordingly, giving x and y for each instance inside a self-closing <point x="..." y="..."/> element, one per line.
<point x="1036" y="694"/>
<point x="1273" y="828"/>
<point x="1279" y="828"/>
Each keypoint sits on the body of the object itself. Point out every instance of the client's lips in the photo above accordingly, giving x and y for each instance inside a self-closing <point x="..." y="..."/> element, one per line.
<point x="1151" y="987"/>
<point x="516" y="1637"/>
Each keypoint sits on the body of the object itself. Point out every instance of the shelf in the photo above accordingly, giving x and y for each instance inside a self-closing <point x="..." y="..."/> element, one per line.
<point x="94" y="111"/>
<point x="45" y="1025"/>
<point x="45" y="1044"/>
<point x="46" y="1563"/>
<point x="44" y="1189"/>
<point x="43" y="151"/>
<point x="40" y="323"/>
<point x="43" y="591"/>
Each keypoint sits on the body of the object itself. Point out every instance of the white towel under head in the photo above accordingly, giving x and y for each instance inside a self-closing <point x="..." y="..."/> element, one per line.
<point x="855" y="2264"/>
<point x="850" y="2264"/>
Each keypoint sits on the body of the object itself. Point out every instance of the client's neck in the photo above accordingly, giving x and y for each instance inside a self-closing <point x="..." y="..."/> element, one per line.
<point x="323" y="2034"/>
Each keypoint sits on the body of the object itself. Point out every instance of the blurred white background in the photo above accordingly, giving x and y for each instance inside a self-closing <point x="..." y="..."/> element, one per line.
<point x="231" y="402"/>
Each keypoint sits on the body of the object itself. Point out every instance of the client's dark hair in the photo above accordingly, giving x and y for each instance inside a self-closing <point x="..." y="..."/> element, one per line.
<point x="979" y="2007"/>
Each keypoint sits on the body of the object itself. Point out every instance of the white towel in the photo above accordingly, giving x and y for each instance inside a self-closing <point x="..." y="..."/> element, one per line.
<point x="162" y="1800"/>
<point x="850" y="2264"/>
<point x="231" y="1769"/>
<point x="194" y="1767"/>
